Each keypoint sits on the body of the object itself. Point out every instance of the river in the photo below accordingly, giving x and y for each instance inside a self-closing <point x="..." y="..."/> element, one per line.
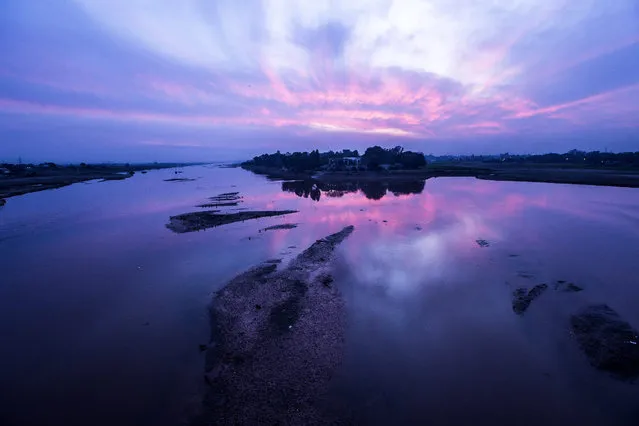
<point x="103" y="309"/>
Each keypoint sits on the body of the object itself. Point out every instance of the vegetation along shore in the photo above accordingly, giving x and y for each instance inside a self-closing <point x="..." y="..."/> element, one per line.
<point x="19" y="179"/>
<point x="377" y="163"/>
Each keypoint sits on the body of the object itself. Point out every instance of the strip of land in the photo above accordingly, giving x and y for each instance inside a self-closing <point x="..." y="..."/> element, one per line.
<point x="391" y="164"/>
<point x="277" y="337"/>
<point x="24" y="179"/>
<point x="213" y="205"/>
<point x="281" y="226"/>
<point x="525" y="173"/>
<point x="198" y="221"/>
<point x="179" y="180"/>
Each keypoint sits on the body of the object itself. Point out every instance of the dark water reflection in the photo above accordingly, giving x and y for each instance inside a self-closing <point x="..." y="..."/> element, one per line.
<point x="375" y="190"/>
<point x="102" y="308"/>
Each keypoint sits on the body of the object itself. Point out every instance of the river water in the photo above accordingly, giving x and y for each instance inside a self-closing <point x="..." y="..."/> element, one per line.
<point x="102" y="308"/>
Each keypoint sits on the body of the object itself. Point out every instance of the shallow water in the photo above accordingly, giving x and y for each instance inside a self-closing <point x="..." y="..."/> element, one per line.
<point x="102" y="308"/>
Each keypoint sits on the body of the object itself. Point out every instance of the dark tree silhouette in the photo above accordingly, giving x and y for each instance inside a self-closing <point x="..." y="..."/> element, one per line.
<point x="407" y="187"/>
<point x="374" y="190"/>
<point x="373" y="158"/>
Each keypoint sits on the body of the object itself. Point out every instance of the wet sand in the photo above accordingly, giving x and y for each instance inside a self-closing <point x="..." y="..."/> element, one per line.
<point x="277" y="337"/>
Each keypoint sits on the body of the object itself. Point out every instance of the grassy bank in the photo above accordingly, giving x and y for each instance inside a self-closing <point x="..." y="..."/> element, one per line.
<point x="23" y="179"/>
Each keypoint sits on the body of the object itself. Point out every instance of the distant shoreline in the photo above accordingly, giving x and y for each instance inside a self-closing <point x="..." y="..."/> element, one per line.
<point x="547" y="173"/>
<point x="41" y="178"/>
<point x="25" y="179"/>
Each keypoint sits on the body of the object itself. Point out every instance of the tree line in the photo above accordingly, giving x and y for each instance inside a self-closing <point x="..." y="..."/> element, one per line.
<point x="591" y="158"/>
<point x="572" y="157"/>
<point x="374" y="158"/>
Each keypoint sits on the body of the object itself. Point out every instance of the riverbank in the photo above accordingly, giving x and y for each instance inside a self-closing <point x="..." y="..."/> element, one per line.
<point x="549" y="173"/>
<point x="27" y="179"/>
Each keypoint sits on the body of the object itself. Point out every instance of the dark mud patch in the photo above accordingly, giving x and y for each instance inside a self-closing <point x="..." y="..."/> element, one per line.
<point x="226" y="197"/>
<point x="276" y="340"/>
<point x="610" y="343"/>
<point x="523" y="298"/>
<point x="213" y="205"/>
<point x="286" y="314"/>
<point x="482" y="243"/>
<point x="326" y="280"/>
<point x="198" y="221"/>
<point x="179" y="180"/>
<point x="282" y="226"/>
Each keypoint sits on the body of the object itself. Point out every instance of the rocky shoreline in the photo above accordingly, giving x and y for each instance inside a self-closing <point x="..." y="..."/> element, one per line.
<point x="277" y="337"/>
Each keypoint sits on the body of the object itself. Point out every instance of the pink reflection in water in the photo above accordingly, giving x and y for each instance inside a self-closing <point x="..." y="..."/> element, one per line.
<point x="103" y="250"/>
<point x="407" y="241"/>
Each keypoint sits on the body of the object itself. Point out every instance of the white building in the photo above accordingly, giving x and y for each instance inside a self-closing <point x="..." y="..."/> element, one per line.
<point x="336" y="163"/>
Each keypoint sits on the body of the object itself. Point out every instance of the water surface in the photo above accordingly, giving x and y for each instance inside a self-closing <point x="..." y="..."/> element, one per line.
<point x="102" y="308"/>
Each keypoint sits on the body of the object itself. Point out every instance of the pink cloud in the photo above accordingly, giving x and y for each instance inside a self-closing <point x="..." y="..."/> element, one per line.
<point x="483" y="127"/>
<point x="383" y="101"/>
<point x="617" y="99"/>
<point x="21" y="107"/>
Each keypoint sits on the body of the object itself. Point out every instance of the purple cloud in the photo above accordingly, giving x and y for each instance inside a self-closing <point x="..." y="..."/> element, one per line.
<point x="180" y="79"/>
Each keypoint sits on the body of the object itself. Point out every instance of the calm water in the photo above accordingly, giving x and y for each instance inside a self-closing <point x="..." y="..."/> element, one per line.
<point x="102" y="308"/>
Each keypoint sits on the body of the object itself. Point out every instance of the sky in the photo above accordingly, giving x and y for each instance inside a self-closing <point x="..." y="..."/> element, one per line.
<point x="206" y="80"/>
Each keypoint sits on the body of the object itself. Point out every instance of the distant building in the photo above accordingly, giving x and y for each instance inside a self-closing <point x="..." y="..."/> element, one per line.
<point x="344" y="162"/>
<point x="4" y="171"/>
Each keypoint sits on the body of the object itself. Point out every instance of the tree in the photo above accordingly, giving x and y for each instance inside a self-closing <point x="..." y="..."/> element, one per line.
<point x="373" y="190"/>
<point x="412" y="160"/>
<point x="406" y="187"/>
<point x="397" y="151"/>
<point x="315" y="160"/>
<point x="374" y="157"/>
